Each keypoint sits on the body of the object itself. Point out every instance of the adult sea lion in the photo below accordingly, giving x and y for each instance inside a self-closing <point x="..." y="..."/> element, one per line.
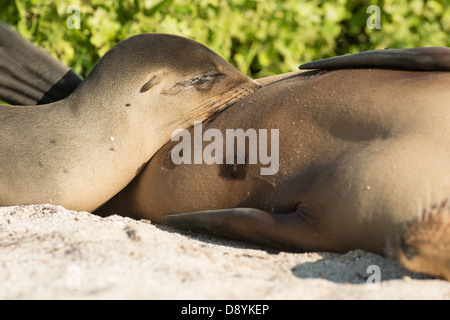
<point x="360" y="161"/>
<point x="80" y="151"/>
<point x="29" y="74"/>
<point x="363" y="152"/>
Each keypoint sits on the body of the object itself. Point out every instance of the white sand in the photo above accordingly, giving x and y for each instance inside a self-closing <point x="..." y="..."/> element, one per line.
<point x="47" y="252"/>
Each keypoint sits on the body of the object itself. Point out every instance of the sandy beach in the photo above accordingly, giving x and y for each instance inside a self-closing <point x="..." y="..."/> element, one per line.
<point x="48" y="252"/>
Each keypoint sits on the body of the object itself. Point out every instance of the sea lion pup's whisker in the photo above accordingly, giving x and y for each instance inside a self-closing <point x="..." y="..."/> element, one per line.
<point x="214" y="105"/>
<point x="226" y="101"/>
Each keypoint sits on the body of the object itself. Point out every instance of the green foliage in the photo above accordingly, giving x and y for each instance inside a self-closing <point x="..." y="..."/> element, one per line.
<point x="259" y="37"/>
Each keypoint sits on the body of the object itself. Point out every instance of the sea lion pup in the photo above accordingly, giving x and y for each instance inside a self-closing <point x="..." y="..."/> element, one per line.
<point x="80" y="151"/>
<point x="422" y="247"/>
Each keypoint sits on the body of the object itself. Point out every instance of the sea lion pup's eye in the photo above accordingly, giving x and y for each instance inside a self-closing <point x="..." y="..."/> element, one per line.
<point x="206" y="81"/>
<point x="201" y="79"/>
<point x="198" y="83"/>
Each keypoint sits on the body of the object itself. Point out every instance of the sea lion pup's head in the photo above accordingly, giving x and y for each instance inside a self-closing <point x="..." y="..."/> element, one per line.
<point x="425" y="244"/>
<point x="180" y="79"/>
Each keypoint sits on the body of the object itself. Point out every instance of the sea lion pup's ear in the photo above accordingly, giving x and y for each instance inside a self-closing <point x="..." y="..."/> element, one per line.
<point x="29" y="75"/>
<point x="421" y="59"/>
<point x="425" y="244"/>
<point x="290" y="231"/>
<point x="154" y="80"/>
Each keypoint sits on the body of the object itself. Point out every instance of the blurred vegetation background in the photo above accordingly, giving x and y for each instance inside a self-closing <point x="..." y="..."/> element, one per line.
<point x="259" y="37"/>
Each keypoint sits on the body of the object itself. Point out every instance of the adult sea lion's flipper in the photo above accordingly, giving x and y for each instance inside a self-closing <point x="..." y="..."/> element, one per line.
<point x="422" y="59"/>
<point x="292" y="231"/>
<point x="30" y="75"/>
<point x="425" y="244"/>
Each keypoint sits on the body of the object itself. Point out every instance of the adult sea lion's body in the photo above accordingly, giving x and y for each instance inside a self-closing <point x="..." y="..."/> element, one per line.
<point x="357" y="160"/>
<point x="80" y="151"/>
<point x="362" y="153"/>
